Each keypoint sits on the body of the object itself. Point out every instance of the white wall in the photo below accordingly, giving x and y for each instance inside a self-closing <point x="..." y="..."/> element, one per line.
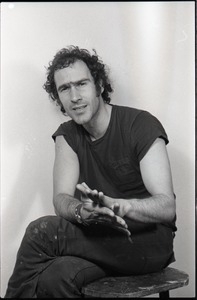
<point x="149" y="47"/>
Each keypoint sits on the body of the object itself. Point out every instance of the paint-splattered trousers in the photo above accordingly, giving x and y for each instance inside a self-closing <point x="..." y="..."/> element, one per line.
<point x="56" y="258"/>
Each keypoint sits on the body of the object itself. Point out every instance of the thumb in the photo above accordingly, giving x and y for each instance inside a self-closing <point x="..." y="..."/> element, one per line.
<point x="109" y="202"/>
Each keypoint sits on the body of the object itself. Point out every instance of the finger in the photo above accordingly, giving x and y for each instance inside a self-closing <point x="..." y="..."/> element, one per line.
<point x="105" y="211"/>
<point x="95" y="192"/>
<point x="82" y="189"/>
<point x="120" y="221"/>
<point x="86" y="186"/>
<point x="115" y="208"/>
<point x="123" y="230"/>
<point x="107" y="202"/>
<point x="103" y="220"/>
<point x="94" y="197"/>
<point x="92" y="194"/>
<point x="101" y="199"/>
<point x="101" y="195"/>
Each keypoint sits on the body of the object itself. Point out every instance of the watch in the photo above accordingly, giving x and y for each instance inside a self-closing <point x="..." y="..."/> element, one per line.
<point x="78" y="214"/>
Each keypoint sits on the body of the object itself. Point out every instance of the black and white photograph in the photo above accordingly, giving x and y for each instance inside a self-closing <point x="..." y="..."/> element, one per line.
<point x="98" y="149"/>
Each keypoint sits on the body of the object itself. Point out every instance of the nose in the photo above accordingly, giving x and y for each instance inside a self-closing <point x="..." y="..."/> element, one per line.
<point x="74" y="94"/>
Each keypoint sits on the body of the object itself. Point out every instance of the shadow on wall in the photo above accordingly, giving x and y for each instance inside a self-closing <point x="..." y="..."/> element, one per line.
<point x="183" y="181"/>
<point x="27" y="128"/>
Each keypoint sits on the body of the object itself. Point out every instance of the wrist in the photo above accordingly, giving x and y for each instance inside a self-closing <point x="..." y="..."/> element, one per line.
<point x="125" y="207"/>
<point x="78" y="216"/>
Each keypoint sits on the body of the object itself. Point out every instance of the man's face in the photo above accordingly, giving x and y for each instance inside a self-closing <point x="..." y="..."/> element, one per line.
<point x="77" y="92"/>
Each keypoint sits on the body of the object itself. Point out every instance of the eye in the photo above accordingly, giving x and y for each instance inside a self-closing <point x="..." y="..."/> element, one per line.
<point x="82" y="83"/>
<point x="64" y="88"/>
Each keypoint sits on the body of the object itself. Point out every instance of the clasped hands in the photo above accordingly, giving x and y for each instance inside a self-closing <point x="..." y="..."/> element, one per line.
<point x="98" y="208"/>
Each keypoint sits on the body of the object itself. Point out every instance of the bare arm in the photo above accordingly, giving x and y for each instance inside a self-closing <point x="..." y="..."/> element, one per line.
<point x="156" y="175"/>
<point x="65" y="178"/>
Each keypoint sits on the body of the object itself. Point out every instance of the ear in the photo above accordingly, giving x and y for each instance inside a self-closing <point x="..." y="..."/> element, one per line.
<point x="61" y="107"/>
<point x="101" y="86"/>
<point x="102" y="89"/>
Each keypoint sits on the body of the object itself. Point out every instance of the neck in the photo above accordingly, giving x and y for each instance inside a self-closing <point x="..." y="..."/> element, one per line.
<point x="98" y="126"/>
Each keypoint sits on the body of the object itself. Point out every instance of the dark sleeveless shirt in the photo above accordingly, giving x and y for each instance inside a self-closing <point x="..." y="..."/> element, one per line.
<point x="111" y="164"/>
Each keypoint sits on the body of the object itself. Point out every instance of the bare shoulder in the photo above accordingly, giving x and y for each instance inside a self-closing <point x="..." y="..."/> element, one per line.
<point x="66" y="168"/>
<point x="63" y="149"/>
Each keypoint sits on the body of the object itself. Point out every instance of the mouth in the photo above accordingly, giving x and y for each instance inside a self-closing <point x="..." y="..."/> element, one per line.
<point x="79" y="107"/>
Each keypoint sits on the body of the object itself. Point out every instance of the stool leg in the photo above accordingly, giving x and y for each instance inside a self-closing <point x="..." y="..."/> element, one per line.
<point x="164" y="295"/>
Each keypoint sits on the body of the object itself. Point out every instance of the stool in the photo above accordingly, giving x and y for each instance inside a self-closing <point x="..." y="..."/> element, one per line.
<point x="137" y="286"/>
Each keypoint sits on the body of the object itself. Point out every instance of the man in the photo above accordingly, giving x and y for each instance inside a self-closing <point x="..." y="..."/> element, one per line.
<point x="113" y="192"/>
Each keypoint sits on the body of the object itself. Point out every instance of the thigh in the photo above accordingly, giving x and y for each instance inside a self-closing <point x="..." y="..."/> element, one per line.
<point x="54" y="236"/>
<point x="104" y="246"/>
<point x="158" y="248"/>
<point x="65" y="277"/>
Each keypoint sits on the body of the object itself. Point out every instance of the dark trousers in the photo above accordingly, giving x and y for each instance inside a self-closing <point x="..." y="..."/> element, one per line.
<point x="56" y="258"/>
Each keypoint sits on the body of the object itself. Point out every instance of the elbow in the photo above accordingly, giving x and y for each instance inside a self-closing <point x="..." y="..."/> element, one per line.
<point x="167" y="208"/>
<point x="56" y="211"/>
<point x="171" y="209"/>
<point x="55" y="206"/>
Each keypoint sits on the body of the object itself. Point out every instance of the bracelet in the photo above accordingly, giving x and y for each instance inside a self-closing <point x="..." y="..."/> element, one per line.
<point x="78" y="214"/>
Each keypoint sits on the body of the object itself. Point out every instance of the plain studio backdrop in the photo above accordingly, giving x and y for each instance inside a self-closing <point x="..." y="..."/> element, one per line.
<point x="149" y="48"/>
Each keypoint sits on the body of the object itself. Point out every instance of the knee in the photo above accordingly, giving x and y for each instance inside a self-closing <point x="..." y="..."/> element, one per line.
<point x="40" y="225"/>
<point x="41" y="222"/>
<point x="57" y="280"/>
<point x="66" y="276"/>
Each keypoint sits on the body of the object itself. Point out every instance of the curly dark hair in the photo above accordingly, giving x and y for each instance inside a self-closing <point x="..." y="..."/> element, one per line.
<point x="68" y="56"/>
